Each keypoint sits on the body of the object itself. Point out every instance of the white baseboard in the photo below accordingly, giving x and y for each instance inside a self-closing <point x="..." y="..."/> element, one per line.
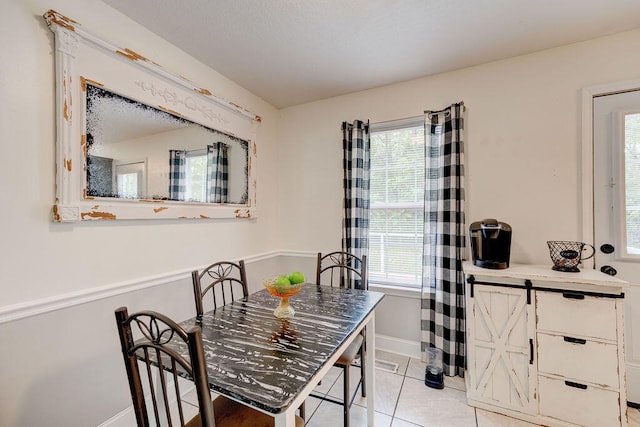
<point x="633" y="382"/>
<point x="398" y="345"/>
<point x="125" y="418"/>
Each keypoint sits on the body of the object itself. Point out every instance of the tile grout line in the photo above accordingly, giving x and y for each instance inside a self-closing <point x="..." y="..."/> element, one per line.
<point x="306" y="421"/>
<point x="395" y="407"/>
<point x="404" y="377"/>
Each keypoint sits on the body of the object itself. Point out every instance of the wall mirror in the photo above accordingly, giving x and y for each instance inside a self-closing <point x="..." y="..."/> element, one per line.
<point x="135" y="141"/>
<point x="136" y="151"/>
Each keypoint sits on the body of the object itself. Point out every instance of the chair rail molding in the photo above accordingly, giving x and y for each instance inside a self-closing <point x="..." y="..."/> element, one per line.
<point x="36" y="307"/>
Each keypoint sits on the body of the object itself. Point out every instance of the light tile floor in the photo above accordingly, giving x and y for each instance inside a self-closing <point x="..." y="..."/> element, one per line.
<point x="403" y="400"/>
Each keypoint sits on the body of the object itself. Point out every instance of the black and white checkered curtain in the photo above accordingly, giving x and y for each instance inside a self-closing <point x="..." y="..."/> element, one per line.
<point x="177" y="174"/>
<point x="356" y="145"/>
<point x="443" y="321"/>
<point x="217" y="172"/>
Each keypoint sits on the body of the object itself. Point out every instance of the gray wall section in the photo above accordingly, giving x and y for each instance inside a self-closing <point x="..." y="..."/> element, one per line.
<point x="65" y="367"/>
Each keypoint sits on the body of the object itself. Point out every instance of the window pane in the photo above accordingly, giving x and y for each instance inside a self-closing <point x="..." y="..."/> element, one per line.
<point x="632" y="181"/>
<point x="397" y="205"/>
<point x="130" y="179"/>
<point x="128" y="185"/>
<point x="196" y="179"/>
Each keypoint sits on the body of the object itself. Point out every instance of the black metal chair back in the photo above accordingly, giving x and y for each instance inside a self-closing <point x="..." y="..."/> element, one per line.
<point x="227" y="281"/>
<point x="144" y="337"/>
<point x="342" y="269"/>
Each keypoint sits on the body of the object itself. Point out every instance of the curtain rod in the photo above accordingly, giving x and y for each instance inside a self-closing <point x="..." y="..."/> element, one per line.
<point x="413" y="117"/>
<point x="345" y="123"/>
<point x="398" y="120"/>
<point x="444" y="109"/>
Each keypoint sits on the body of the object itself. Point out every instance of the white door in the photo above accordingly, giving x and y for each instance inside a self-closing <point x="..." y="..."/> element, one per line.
<point x="501" y="342"/>
<point x="616" y="209"/>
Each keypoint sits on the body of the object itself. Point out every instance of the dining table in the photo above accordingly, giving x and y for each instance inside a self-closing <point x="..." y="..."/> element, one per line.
<point x="274" y="364"/>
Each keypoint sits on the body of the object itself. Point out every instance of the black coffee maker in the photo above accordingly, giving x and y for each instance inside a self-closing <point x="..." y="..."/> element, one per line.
<point x="490" y="243"/>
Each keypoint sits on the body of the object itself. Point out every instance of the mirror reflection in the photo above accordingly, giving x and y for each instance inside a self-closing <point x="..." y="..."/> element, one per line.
<point x="135" y="151"/>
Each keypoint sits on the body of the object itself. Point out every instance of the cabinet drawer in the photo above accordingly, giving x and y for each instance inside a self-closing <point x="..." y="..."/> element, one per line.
<point x="580" y="360"/>
<point x="585" y="316"/>
<point x="590" y="406"/>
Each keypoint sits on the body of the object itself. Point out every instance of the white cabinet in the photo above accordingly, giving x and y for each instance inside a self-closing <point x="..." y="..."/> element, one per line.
<point x="545" y="346"/>
<point x="500" y="361"/>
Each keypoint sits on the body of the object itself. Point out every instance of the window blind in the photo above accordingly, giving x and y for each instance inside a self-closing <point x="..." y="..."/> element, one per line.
<point x="397" y="202"/>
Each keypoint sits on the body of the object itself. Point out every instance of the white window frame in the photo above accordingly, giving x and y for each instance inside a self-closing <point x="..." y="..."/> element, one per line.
<point x="189" y="157"/>
<point x="137" y="167"/>
<point x="397" y="283"/>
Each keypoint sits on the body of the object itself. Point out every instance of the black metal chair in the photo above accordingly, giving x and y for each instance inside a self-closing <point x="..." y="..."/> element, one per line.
<point x="346" y="270"/>
<point x="227" y="281"/>
<point x="144" y="337"/>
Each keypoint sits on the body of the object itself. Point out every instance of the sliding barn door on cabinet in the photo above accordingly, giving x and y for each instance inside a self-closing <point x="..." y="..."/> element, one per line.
<point x="501" y="343"/>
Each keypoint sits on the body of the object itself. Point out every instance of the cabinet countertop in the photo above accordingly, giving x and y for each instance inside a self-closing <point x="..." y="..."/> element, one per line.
<point x="543" y="276"/>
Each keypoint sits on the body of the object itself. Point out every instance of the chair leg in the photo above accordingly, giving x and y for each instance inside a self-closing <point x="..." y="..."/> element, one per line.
<point x="301" y="410"/>
<point x="347" y="399"/>
<point x="363" y="389"/>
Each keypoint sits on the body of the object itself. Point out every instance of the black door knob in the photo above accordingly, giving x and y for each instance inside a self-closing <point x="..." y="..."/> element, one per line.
<point x="607" y="248"/>
<point x="607" y="269"/>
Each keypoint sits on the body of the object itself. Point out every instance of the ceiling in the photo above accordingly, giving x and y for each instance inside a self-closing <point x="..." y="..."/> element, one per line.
<point x="290" y="52"/>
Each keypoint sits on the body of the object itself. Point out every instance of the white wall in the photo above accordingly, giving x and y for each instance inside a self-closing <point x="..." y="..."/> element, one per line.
<point x="522" y="147"/>
<point x="64" y="260"/>
<point x="63" y="367"/>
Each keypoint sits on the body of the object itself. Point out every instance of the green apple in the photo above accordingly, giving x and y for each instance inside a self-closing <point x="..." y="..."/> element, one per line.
<point x="296" y="277"/>
<point x="282" y="281"/>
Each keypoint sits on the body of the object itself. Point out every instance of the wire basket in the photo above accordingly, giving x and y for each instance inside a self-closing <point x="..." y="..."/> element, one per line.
<point x="566" y="255"/>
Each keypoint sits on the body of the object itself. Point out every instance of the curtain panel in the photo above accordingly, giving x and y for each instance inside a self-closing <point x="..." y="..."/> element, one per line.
<point x="217" y="172"/>
<point x="177" y="174"/>
<point x="356" y="145"/>
<point x="442" y="318"/>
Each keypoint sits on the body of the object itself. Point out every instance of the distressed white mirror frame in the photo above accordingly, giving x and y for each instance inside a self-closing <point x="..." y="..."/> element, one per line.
<point x="82" y="58"/>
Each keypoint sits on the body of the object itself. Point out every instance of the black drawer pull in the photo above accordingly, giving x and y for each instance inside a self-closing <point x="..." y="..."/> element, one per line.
<point x="572" y="295"/>
<point x="575" y="385"/>
<point x="575" y="340"/>
<point x="530" y="351"/>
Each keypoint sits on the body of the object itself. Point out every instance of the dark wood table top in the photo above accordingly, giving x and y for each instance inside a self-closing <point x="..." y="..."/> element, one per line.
<point x="265" y="361"/>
